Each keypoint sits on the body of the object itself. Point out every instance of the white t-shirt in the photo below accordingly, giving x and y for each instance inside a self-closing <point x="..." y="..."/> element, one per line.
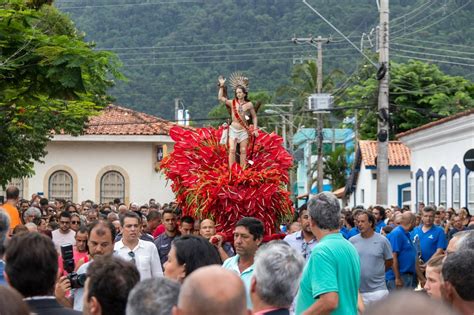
<point x="146" y="258"/>
<point x="61" y="239"/>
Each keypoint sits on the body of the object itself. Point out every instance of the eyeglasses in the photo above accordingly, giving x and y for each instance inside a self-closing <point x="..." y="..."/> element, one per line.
<point x="75" y="222"/>
<point x="132" y="256"/>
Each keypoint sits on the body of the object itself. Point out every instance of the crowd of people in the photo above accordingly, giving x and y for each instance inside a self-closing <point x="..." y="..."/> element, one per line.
<point x="115" y="258"/>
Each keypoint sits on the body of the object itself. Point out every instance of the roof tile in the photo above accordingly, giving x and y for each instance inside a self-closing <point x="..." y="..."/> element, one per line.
<point x="398" y="153"/>
<point x="116" y="120"/>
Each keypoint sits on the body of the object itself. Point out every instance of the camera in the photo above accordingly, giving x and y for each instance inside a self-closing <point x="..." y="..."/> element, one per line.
<point x="76" y="280"/>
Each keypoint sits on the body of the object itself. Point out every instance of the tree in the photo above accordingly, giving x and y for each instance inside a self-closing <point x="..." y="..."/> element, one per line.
<point x="51" y="81"/>
<point x="336" y="166"/>
<point x="419" y="93"/>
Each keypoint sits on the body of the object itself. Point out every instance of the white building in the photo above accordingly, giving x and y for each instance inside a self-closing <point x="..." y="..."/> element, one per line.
<point x="362" y="183"/>
<point x="117" y="157"/>
<point x="439" y="175"/>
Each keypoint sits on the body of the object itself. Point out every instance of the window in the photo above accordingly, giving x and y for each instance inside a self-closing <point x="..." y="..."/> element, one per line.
<point x="470" y="190"/>
<point x="419" y="187"/>
<point x="456" y="191"/>
<point x="17" y="182"/>
<point x="406" y="196"/>
<point x="362" y="196"/>
<point x="442" y="190"/>
<point x="112" y="185"/>
<point x="60" y="185"/>
<point x="431" y="187"/>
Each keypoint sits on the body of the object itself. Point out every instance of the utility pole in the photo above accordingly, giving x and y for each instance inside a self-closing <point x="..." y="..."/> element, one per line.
<point x="383" y="106"/>
<point x="319" y="41"/>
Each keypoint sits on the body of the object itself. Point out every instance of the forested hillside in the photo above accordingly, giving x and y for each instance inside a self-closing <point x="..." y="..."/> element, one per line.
<point x="177" y="48"/>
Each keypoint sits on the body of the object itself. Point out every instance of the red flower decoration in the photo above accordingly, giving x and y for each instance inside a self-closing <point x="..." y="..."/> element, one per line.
<point x="205" y="187"/>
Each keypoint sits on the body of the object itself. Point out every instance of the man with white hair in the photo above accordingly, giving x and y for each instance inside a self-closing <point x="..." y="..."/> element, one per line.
<point x="276" y="277"/>
<point x="331" y="278"/>
<point x="154" y="296"/>
<point x="460" y="239"/>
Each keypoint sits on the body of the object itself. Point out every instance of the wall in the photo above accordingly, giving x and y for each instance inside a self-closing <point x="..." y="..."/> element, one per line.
<point x="365" y="182"/>
<point x="88" y="159"/>
<point x="442" y="145"/>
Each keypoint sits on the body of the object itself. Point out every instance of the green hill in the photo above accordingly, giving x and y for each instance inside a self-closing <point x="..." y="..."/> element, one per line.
<point x="177" y="48"/>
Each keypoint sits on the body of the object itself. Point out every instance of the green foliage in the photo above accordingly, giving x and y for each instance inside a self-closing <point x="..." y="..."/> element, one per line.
<point x="419" y="93"/>
<point x="173" y="49"/>
<point x="50" y="81"/>
<point x="335" y="167"/>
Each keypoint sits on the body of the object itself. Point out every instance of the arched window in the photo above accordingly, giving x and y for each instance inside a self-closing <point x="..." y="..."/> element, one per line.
<point x="431" y="187"/>
<point x="419" y="188"/>
<point x="17" y="182"/>
<point x="112" y="185"/>
<point x="443" y="187"/>
<point x="60" y="186"/>
<point x="456" y="188"/>
<point x="470" y="190"/>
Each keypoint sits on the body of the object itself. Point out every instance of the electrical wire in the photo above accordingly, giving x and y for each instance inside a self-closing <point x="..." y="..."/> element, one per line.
<point x="437" y="49"/>
<point x="430" y="54"/>
<point x="126" y="4"/>
<point x="438" y="21"/>
<point x="434" y="60"/>
<point x="432" y="42"/>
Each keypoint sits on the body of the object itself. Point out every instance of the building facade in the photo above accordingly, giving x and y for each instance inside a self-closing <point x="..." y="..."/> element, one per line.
<point x="118" y="156"/>
<point x="438" y="173"/>
<point x="361" y="188"/>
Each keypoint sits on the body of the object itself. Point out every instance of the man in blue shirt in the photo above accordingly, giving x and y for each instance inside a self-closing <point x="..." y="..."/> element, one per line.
<point x="404" y="268"/>
<point x="429" y="239"/>
<point x="379" y="214"/>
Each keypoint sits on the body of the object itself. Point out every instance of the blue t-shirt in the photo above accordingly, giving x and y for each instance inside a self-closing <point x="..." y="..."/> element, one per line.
<point x="352" y="232"/>
<point x="428" y="242"/>
<point x="379" y="226"/>
<point x="406" y="252"/>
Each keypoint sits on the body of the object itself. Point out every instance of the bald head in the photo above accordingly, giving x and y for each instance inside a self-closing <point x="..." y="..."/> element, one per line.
<point x="408" y="220"/>
<point x="212" y="290"/>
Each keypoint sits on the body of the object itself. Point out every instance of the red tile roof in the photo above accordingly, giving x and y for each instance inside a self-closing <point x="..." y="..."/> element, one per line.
<point x="435" y="123"/>
<point x="398" y="153"/>
<point x="116" y="120"/>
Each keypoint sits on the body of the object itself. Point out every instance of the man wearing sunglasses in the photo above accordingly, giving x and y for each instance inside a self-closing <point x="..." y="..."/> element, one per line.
<point x="141" y="253"/>
<point x="64" y="235"/>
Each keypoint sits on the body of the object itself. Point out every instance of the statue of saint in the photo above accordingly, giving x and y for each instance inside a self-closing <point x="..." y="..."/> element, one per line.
<point x="241" y="109"/>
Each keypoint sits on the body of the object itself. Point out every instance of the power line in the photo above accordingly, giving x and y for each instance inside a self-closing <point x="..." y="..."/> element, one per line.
<point x="434" y="60"/>
<point x="438" y="21"/>
<point x="200" y="45"/>
<point x="427" y="17"/>
<point x="304" y="48"/>
<point x="223" y="61"/>
<point x="434" y="55"/>
<point x="429" y="3"/>
<point x="437" y="49"/>
<point x="433" y="42"/>
<point x="127" y="4"/>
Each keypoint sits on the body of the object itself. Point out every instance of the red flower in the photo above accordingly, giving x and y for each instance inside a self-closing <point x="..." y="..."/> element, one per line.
<point x="205" y="187"/>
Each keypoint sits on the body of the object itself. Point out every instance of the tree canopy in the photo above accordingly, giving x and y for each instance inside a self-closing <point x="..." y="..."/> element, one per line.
<point x="51" y="81"/>
<point x="419" y="93"/>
